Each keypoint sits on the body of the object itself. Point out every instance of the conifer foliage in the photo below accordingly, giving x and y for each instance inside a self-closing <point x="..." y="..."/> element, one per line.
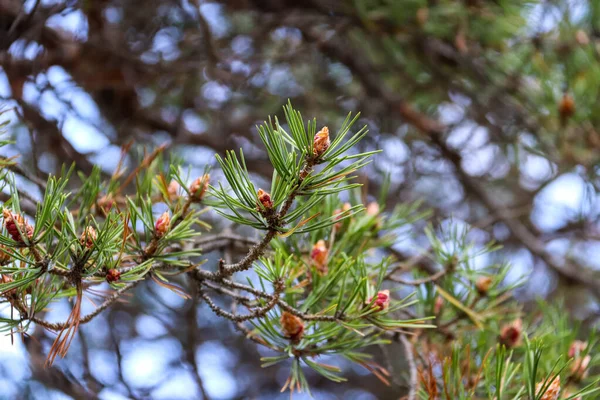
<point x="314" y="290"/>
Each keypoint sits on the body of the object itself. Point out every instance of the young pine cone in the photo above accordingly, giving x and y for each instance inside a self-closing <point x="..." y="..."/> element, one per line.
<point x="88" y="237"/>
<point x="321" y="142"/>
<point x="551" y="392"/>
<point x="199" y="187"/>
<point x="15" y="223"/>
<point x="292" y="327"/>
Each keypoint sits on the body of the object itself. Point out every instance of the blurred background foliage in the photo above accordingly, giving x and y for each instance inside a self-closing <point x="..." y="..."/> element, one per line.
<point x="484" y="109"/>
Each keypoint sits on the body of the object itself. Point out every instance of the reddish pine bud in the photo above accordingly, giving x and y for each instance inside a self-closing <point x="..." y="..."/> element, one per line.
<point x="265" y="199"/>
<point x="321" y="142"/>
<point x="88" y="237"/>
<point x="437" y="306"/>
<point x="372" y="209"/>
<point x="337" y="215"/>
<point x="483" y="284"/>
<point x="579" y="368"/>
<point x="318" y="255"/>
<point x="163" y="224"/>
<point x="382" y="300"/>
<point x="15" y="223"/>
<point x="173" y="190"/>
<point x="576" y="348"/>
<point x="292" y="327"/>
<point x="113" y="275"/>
<point x="552" y="391"/>
<point x="105" y="203"/>
<point x="582" y="38"/>
<point x="5" y="258"/>
<point x="566" y="107"/>
<point x="199" y="187"/>
<point x="510" y="335"/>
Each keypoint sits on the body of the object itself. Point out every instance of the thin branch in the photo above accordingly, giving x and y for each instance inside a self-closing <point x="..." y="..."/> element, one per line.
<point x="57" y="326"/>
<point x="418" y="282"/>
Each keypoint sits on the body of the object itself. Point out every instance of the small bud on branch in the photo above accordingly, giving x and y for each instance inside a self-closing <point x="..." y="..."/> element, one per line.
<point x="88" y="237"/>
<point x="382" y="300"/>
<point x="319" y="255"/>
<point x="551" y="392"/>
<point x="113" y="275"/>
<point x="483" y="285"/>
<point x="16" y="226"/>
<point x="199" y="187"/>
<point x="173" y="190"/>
<point x="292" y="327"/>
<point x="321" y="142"/>
<point x="163" y="224"/>
<point x="510" y="335"/>
<point x="265" y="199"/>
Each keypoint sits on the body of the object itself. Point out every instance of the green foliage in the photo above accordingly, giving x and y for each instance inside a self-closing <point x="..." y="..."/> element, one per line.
<point x="317" y="285"/>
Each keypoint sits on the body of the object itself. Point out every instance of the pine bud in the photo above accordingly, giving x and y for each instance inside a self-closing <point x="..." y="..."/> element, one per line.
<point x="321" y="142"/>
<point x="566" y="107"/>
<point x="372" y="209"/>
<point x="173" y="190"/>
<point x="437" y="305"/>
<point x="292" y="327"/>
<point x="113" y="275"/>
<point x="483" y="284"/>
<point x="105" y="203"/>
<point x="382" y="300"/>
<point x="582" y="38"/>
<point x="88" y="237"/>
<point x="576" y="348"/>
<point x="337" y="215"/>
<point x="552" y="391"/>
<point x="318" y="255"/>
<point x="510" y="335"/>
<point x="579" y="368"/>
<point x="265" y="199"/>
<point x="199" y="187"/>
<point x="163" y="224"/>
<point x="15" y="223"/>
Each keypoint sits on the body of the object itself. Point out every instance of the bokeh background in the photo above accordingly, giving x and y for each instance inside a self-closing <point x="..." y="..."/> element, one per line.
<point x="487" y="110"/>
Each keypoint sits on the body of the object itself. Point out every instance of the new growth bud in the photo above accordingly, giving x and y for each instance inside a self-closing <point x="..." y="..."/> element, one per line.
<point x="576" y="348"/>
<point x="437" y="305"/>
<point x="321" y="142"/>
<point x="113" y="275"/>
<point x="163" y="224"/>
<point x="173" y="190"/>
<point x="566" y="107"/>
<point x="552" y="391"/>
<point x="510" y="335"/>
<point x="16" y="225"/>
<point x="382" y="300"/>
<point x="579" y="368"/>
<point x="199" y="187"/>
<point x="88" y="237"/>
<point x="483" y="284"/>
<point x="337" y="213"/>
<point x="265" y="199"/>
<point x="318" y="255"/>
<point x="292" y="327"/>
<point x="372" y="209"/>
<point x="105" y="203"/>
